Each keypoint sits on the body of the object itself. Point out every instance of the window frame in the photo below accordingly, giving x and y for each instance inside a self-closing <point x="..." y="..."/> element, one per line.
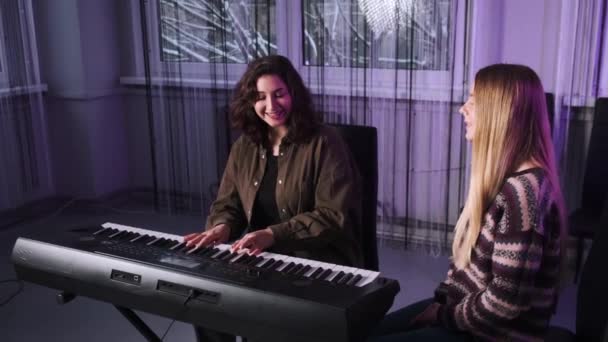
<point x="3" y="64"/>
<point x="27" y="25"/>
<point x="192" y="72"/>
<point x="427" y="84"/>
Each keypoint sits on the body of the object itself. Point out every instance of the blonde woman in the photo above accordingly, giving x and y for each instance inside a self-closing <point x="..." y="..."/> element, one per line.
<point x="506" y="255"/>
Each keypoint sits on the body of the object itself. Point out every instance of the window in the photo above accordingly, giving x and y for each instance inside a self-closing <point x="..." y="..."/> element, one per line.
<point x="377" y="34"/>
<point x="216" y="31"/>
<point x="203" y="35"/>
<point x="385" y="43"/>
<point x="348" y="38"/>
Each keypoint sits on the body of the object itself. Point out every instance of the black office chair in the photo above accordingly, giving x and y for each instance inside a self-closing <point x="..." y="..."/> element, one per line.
<point x="585" y="221"/>
<point x="550" y="98"/>
<point x="363" y="144"/>
<point x="592" y="301"/>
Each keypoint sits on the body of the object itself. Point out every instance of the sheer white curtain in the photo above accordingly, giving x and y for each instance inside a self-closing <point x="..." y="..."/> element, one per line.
<point x="195" y="51"/>
<point x="397" y="66"/>
<point x="581" y="73"/>
<point x="25" y="174"/>
<point x="402" y="74"/>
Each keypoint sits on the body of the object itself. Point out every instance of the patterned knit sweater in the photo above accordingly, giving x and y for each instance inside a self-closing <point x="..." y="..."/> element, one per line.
<point x="508" y="291"/>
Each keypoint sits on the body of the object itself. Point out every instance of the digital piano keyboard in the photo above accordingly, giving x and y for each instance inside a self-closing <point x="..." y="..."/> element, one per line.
<point x="269" y="297"/>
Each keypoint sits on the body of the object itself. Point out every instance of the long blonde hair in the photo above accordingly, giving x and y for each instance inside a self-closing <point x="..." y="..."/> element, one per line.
<point x="511" y="127"/>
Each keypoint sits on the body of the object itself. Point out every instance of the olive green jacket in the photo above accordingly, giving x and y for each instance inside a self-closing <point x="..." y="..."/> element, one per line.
<point x="317" y="193"/>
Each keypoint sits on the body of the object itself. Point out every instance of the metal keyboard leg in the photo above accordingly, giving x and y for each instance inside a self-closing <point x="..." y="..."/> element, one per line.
<point x="140" y="325"/>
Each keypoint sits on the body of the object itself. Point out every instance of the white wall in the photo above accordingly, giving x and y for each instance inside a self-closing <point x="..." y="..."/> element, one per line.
<point x="79" y="60"/>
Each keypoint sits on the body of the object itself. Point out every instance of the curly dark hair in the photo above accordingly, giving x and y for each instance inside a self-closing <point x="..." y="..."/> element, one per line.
<point x="302" y="122"/>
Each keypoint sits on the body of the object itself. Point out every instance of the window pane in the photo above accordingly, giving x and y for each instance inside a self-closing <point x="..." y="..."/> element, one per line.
<point x="210" y="31"/>
<point x="404" y="34"/>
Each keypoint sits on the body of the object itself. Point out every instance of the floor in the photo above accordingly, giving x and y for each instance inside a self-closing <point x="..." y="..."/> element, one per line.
<point x="34" y="315"/>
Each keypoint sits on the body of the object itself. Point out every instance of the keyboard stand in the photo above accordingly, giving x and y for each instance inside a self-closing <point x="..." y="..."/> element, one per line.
<point x="65" y="297"/>
<point x="140" y="325"/>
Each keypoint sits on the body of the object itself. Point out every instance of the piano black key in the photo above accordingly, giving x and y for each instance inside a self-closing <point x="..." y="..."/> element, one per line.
<point x="345" y="279"/>
<point x="337" y="277"/>
<point x="248" y="260"/>
<point x="303" y="271"/>
<point x="170" y="243"/>
<point x="208" y="251"/>
<point x="120" y="235"/>
<point x="255" y="261"/>
<point x="177" y="246"/>
<point x="152" y="241"/>
<point x="159" y="243"/>
<point x="129" y="236"/>
<point x="244" y="259"/>
<point x="123" y="236"/>
<point x="135" y="238"/>
<point x="229" y="256"/>
<point x="183" y="249"/>
<point x="276" y="265"/>
<point x="316" y="273"/>
<point x="116" y="234"/>
<point x="142" y="239"/>
<point x="288" y="267"/>
<point x="221" y="255"/>
<point x="197" y="251"/>
<point x="126" y="236"/>
<point x="102" y="231"/>
<point x="108" y="232"/>
<point x="354" y="280"/>
<point x="295" y="269"/>
<point x="325" y="274"/>
<point x="268" y="264"/>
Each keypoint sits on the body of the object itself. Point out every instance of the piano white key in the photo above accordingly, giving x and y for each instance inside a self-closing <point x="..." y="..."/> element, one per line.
<point x="222" y="246"/>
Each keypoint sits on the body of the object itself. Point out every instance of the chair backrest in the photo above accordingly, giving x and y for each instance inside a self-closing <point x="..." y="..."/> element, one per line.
<point x="363" y="144"/>
<point x="592" y="301"/>
<point x="550" y="98"/>
<point x="595" y="183"/>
